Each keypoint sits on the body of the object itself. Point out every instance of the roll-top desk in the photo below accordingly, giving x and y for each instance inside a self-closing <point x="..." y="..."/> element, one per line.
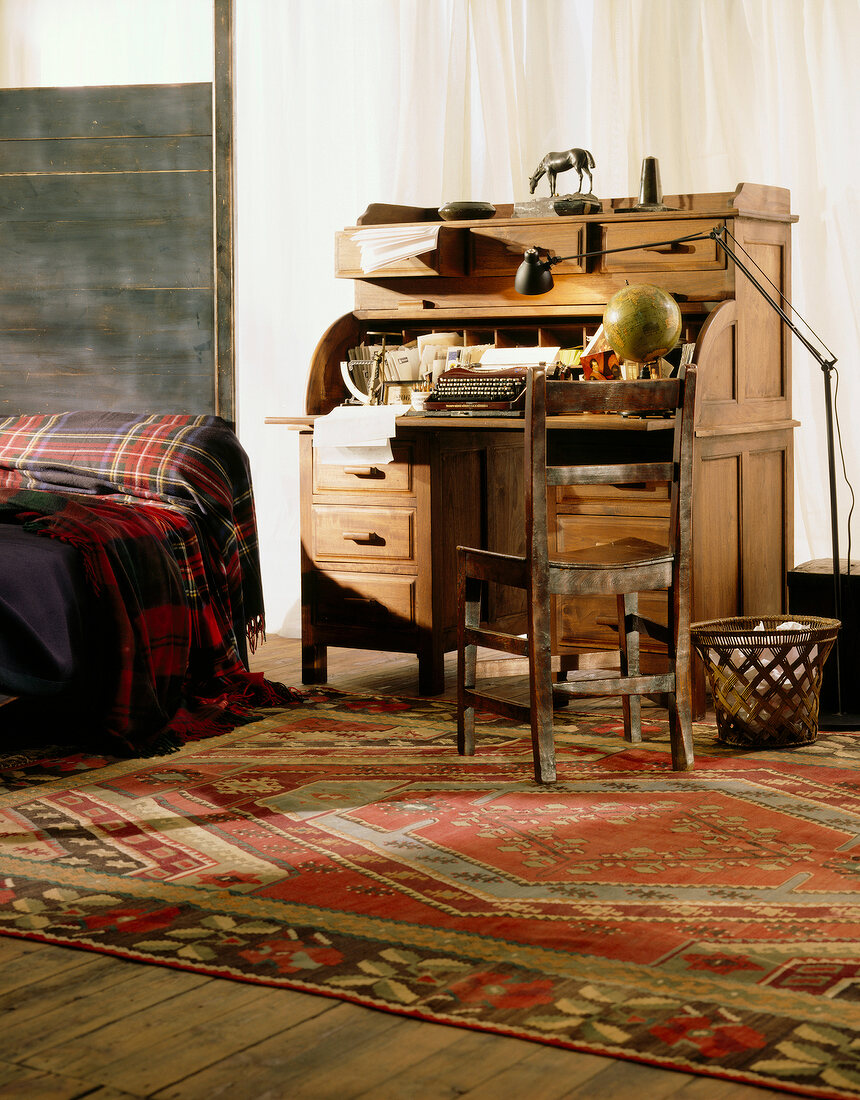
<point x="378" y="543"/>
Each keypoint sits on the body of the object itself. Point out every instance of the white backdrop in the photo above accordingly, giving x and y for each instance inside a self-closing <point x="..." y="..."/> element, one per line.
<point x="345" y="102"/>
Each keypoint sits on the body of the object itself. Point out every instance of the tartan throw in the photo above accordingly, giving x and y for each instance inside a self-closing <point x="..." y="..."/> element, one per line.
<point x="161" y="508"/>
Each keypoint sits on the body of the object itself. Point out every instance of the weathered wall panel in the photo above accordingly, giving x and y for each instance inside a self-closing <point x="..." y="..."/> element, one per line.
<point x="107" y="286"/>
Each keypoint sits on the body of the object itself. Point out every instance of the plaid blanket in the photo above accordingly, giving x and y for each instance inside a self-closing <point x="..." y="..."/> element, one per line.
<point x="161" y="508"/>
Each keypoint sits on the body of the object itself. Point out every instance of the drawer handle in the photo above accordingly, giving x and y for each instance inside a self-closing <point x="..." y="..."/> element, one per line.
<point x="361" y="471"/>
<point x="673" y="249"/>
<point x="362" y="536"/>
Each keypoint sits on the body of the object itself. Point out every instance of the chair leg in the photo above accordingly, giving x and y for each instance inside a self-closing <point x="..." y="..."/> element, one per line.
<point x="681" y="700"/>
<point x="681" y="727"/>
<point x="561" y="698"/>
<point x="540" y="690"/>
<point x="628" y="643"/>
<point x="469" y="611"/>
<point x="543" y="741"/>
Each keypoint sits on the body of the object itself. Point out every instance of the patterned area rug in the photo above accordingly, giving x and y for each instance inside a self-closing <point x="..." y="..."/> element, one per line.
<point x="704" y="921"/>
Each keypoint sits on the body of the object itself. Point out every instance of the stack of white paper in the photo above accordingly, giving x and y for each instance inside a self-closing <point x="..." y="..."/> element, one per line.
<point x="519" y="357"/>
<point x="389" y="243"/>
<point x="356" y="433"/>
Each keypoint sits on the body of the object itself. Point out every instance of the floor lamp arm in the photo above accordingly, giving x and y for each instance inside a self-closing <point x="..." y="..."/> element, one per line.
<point x="827" y="366"/>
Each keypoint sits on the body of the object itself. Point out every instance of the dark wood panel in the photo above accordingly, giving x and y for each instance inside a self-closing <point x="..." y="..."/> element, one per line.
<point x="764" y="373"/>
<point x="107" y="349"/>
<point x="225" y="349"/>
<point x="73" y="255"/>
<point x="174" y="325"/>
<point x="717" y="545"/>
<point x="141" y="109"/>
<point x="764" y="532"/>
<point x="120" y="154"/>
<point x="135" y="391"/>
<point x="166" y="197"/>
<point x="107" y="243"/>
<point x="461" y="480"/>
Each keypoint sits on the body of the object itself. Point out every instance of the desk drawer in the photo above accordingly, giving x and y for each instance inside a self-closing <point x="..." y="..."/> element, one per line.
<point x="347" y="533"/>
<point x="580" y="532"/>
<point x="366" y="600"/>
<point x="690" y="256"/>
<point x="649" y="499"/>
<point x="498" y="250"/>
<point x="445" y="259"/>
<point x="581" y="621"/>
<point x="383" y="477"/>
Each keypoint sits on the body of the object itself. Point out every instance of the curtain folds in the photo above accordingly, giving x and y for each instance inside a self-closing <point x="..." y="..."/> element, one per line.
<point x="341" y="103"/>
<point x="724" y="91"/>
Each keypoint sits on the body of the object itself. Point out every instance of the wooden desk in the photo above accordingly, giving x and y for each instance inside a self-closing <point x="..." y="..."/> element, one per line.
<point x="378" y="543"/>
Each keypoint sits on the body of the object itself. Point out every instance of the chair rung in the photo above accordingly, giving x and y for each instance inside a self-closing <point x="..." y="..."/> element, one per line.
<point x="595" y="681"/>
<point x="493" y="639"/>
<point x="657" y="631"/>
<point x="506" y="707"/>
<point x="616" y="473"/>
<point x="485" y="565"/>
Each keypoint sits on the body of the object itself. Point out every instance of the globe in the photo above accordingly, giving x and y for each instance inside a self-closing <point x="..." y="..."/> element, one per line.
<point x="642" y="322"/>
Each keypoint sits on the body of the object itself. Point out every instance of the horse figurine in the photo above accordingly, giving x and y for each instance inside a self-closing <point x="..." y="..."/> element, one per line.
<point x="553" y="163"/>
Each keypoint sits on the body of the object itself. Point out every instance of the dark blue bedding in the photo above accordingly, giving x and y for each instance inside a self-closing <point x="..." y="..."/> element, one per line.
<point x="49" y="636"/>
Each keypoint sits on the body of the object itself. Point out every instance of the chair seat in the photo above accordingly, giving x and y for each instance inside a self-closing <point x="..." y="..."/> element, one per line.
<point x="618" y="554"/>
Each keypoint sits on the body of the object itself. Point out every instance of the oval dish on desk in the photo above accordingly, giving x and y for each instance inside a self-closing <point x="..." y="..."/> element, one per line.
<point x="466" y="211"/>
<point x="576" y="204"/>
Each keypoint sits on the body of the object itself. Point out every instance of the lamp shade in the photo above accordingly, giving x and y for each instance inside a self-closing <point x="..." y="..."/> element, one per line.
<point x="534" y="275"/>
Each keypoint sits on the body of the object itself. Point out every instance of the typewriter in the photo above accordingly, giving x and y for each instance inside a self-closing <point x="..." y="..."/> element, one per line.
<point x="478" y="391"/>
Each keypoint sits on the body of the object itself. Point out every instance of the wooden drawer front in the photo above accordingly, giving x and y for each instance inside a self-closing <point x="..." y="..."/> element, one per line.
<point x="580" y="532"/>
<point x="499" y="250"/>
<point x="447" y="258"/>
<point x="580" y="621"/>
<point x="365" y="600"/>
<point x="363" y="534"/>
<point x="392" y="477"/>
<point x="649" y="499"/>
<point x="690" y="256"/>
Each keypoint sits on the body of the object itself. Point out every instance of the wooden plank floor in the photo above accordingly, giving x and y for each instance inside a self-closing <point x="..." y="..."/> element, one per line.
<point x="80" y="1024"/>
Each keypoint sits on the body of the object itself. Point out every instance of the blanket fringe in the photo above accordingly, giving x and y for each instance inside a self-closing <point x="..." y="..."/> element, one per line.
<point x="255" y="631"/>
<point x="228" y="703"/>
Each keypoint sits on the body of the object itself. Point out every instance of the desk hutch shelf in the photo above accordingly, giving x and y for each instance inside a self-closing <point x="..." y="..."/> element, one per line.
<point x="378" y="543"/>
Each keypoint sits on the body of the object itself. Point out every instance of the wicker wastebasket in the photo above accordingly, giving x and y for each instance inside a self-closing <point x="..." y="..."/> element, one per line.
<point x="765" y="679"/>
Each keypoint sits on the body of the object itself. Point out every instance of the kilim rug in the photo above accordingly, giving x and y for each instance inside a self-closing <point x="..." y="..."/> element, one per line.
<point x="705" y="921"/>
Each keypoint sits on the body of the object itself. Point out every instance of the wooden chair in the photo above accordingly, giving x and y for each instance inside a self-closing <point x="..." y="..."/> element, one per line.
<point x="622" y="568"/>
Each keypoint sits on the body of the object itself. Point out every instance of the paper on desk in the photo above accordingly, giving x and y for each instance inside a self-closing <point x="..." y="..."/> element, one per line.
<point x="519" y="357"/>
<point x="356" y="433"/>
<point x="387" y="244"/>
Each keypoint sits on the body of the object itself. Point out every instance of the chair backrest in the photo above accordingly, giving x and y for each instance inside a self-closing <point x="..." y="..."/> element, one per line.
<point x="673" y="397"/>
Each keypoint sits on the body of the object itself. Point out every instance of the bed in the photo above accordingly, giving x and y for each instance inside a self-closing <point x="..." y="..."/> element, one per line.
<point x="130" y="590"/>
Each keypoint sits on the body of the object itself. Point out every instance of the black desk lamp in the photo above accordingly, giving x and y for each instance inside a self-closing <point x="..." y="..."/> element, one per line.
<point x="534" y="276"/>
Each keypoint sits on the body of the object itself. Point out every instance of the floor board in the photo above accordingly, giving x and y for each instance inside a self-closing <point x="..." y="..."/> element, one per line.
<point x="77" y="1024"/>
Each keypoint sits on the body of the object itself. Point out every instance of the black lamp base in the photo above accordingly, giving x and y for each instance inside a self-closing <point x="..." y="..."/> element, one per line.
<point x="810" y="592"/>
<point x="838" y="723"/>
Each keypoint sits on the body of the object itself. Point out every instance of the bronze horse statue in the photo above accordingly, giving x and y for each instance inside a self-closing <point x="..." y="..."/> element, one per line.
<point x="553" y="163"/>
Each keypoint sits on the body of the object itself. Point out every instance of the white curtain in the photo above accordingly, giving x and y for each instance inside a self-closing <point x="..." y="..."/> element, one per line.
<point x="763" y="91"/>
<point x="340" y="103"/>
<point x="345" y="102"/>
